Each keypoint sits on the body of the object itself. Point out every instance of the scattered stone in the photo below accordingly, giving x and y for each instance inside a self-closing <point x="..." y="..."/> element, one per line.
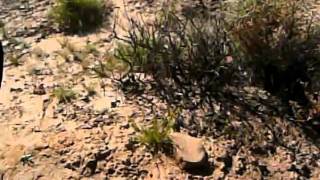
<point x="73" y="164"/>
<point x="16" y="89"/>
<point x="113" y="104"/>
<point x="89" y="167"/>
<point x="39" y="90"/>
<point x="41" y="146"/>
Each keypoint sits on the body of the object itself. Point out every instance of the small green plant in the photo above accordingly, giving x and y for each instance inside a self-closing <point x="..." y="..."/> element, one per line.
<point x="1" y="24"/>
<point x="91" y="48"/>
<point x="156" y="137"/>
<point x="3" y="33"/>
<point x="78" y="15"/>
<point x="14" y="60"/>
<point x="63" y="94"/>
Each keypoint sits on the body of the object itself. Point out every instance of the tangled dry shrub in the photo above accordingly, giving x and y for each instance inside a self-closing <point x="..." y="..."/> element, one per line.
<point x="184" y="55"/>
<point x="280" y="41"/>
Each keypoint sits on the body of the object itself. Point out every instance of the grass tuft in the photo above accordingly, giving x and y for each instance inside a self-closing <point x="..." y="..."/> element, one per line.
<point x="156" y="137"/>
<point x="63" y="94"/>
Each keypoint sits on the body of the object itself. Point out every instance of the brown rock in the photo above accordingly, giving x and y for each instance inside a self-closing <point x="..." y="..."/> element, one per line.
<point x="39" y="90"/>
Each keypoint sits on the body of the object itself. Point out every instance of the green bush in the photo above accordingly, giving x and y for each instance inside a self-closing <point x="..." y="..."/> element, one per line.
<point x="78" y="15"/>
<point x="279" y="39"/>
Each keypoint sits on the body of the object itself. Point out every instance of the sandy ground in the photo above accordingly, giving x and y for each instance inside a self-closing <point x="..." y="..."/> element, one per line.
<point x="41" y="138"/>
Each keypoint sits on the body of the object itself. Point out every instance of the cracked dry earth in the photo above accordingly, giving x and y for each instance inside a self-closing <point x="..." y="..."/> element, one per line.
<point x="88" y="138"/>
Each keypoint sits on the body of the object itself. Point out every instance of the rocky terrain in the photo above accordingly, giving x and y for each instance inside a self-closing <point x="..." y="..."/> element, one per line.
<point x="90" y="137"/>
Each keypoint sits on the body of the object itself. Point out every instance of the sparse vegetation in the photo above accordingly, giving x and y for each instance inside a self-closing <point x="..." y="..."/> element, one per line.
<point x="156" y="137"/>
<point x="279" y="40"/>
<point x="78" y="15"/>
<point x="65" y="43"/>
<point x="63" y="94"/>
<point x="1" y="24"/>
<point x="106" y="67"/>
<point x="180" y="52"/>
<point x="34" y="71"/>
<point x="100" y="70"/>
<point x="91" y="49"/>
<point x="70" y="52"/>
<point x="115" y="65"/>
<point x="14" y="60"/>
<point x="65" y="55"/>
<point x="241" y="75"/>
<point x="2" y="30"/>
<point x="90" y="89"/>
